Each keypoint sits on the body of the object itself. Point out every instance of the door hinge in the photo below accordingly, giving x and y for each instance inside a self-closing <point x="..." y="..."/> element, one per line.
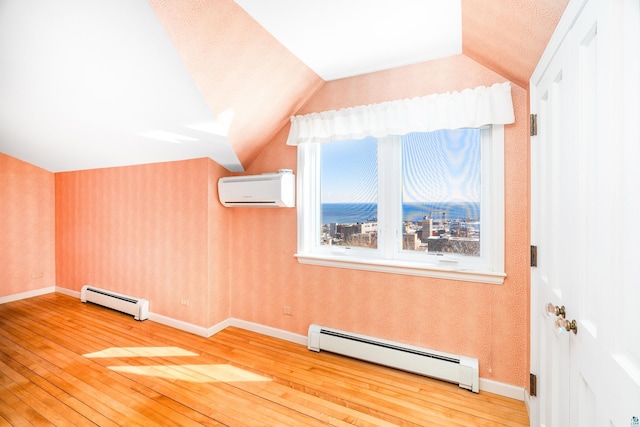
<point x="534" y="256"/>
<point x="533" y="385"/>
<point x="533" y="124"/>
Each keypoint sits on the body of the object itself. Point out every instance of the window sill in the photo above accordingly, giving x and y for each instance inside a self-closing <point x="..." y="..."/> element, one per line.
<point x="403" y="267"/>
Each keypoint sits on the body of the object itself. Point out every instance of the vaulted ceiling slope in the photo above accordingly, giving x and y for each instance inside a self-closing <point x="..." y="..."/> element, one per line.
<point x="509" y="36"/>
<point x="87" y="83"/>
<point x="239" y="67"/>
<point x="237" y="63"/>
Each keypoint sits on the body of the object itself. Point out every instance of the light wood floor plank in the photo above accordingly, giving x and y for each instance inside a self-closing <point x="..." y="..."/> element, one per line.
<point x="38" y="399"/>
<point x="51" y="374"/>
<point x="83" y="383"/>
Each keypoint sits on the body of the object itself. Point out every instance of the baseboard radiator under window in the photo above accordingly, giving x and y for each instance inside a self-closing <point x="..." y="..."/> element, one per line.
<point x="456" y="369"/>
<point x="137" y="307"/>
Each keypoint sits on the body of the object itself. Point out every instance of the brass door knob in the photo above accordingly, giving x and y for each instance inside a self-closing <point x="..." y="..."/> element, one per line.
<point x="565" y="325"/>
<point x="554" y="310"/>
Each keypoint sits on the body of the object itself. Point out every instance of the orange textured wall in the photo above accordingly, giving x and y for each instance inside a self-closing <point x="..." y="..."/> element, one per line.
<point x="509" y="36"/>
<point x="27" y="234"/>
<point x="143" y="231"/>
<point x="238" y="66"/>
<point x="219" y="237"/>
<point x="489" y="322"/>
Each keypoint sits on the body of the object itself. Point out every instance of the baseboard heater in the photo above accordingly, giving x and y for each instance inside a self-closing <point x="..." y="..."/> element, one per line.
<point x="137" y="307"/>
<point x="460" y="370"/>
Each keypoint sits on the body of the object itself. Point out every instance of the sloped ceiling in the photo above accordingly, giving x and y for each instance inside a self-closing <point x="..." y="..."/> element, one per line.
<point x="509" y="36"/>
<point x="89" y="84"/>
<point x="339" y="39"/>
<point x="239" y="67"/>
<point x="213" y="81"/>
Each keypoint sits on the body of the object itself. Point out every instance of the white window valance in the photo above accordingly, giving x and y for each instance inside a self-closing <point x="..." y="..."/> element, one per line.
<point x="470" y="108"/>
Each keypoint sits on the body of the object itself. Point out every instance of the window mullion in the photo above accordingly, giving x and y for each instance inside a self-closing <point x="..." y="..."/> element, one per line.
<point x="308" y="197"/>
<point x="494" y="173"/>
<point x="389" y="194"/>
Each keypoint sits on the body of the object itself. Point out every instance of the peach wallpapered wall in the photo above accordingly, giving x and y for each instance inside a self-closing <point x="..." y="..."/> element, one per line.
<point x="489" y="322"/>
<point x="143" y="231"/>
<point x="27" y="237"/>
<point x="158" y="231"/>
<point x="220" y="234"/>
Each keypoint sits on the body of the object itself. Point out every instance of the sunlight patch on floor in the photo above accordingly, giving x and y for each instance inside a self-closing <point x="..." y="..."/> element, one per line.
<point x="194" y="373"/>
<point x="140" y="352"/>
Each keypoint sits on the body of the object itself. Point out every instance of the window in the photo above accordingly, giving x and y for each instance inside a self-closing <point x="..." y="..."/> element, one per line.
<point x="441" y="192"/>
<point x="426" y="203"/>
<point x="382" y="188"/>
<point x="349" y="193"/>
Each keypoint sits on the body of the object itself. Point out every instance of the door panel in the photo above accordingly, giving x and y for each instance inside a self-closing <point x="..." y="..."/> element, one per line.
<point x="585" y="198"/>
<point x="550" y="286"/>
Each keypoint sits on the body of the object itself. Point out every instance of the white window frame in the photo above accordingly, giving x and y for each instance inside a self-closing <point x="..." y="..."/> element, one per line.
<point x="389" y="258"/>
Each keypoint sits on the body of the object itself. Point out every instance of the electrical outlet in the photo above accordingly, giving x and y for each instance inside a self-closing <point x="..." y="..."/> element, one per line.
<point x="36" y="274"/>
<point x="287" y="310"/>
<point x="184" y="301"/>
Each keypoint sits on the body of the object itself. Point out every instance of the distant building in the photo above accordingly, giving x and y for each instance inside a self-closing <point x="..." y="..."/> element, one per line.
<point x="455" y="245"/>
<point x="364" y="240"/>
<point x="333" y="228"/>
<point x="410" y="241"/>
<point x="426" y="223"/>
<point x="424" y="231"/>
<point x="349" y="230"/>
<point x="423" y="234"/>
<point x="369" y="227"/>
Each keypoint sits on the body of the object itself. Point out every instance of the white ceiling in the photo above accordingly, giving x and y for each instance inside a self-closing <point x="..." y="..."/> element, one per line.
<point x="338" y="38"/>
<point x="90" y="83"/>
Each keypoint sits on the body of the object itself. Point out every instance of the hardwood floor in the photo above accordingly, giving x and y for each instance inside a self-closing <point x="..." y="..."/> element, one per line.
<point x="67" y="363"/>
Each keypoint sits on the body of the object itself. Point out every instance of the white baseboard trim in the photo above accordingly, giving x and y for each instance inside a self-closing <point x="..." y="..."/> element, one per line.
<point x="211" y="331"/>
<point x="28" y="294"/>
<point x="167" y="321"/>
<point x="489" y="386"/>
<point x="242" y="324"/>
<point x="68" y="292"/>
<point x="269" y="331"/>
<point x="506" y="390"/>
<point x="186" y="326"/>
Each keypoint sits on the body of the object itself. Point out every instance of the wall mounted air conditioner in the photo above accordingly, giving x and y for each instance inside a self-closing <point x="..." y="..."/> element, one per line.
<point x="269" y="190"/>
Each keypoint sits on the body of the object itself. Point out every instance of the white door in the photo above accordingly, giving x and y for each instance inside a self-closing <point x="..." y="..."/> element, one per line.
<point x="585" y="218"/>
